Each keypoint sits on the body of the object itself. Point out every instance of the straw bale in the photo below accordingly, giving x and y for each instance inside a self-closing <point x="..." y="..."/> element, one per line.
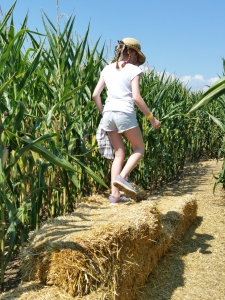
<point x="105" y="253"/>
<point x="176" y="221"/>
<point x="181" y="217"/>
<point x="103" y="249"/>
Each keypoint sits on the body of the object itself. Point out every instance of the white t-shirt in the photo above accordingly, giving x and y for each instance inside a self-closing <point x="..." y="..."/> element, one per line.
<point x="118" y="83"/>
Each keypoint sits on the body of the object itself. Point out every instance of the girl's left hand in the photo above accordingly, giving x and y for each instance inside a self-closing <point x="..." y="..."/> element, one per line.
<point x="155" y="123"/>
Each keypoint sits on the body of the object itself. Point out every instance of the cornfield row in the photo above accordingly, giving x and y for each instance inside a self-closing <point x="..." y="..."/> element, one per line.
<point x="48" y="152"/>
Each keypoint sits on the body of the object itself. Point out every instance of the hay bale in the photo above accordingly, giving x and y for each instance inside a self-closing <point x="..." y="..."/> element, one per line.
<point x="175" y="222"/>
<point x="105" y="253"/>
<point x="108" y="248"/>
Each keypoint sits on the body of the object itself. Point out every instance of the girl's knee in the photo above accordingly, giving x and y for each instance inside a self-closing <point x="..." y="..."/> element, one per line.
<point x="119" y="154"/>
<point x="140" y="150"/>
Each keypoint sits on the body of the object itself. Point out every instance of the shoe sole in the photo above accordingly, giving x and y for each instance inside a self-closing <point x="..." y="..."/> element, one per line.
<point x="123" y="188"/>
<point x="119" y="203"/>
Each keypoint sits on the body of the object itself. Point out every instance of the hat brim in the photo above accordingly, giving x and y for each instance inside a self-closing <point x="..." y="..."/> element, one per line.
<point x="141" y="56"/>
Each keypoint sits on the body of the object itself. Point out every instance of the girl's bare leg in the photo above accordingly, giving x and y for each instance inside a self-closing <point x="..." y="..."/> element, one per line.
<point x="117" y="142"/>
<point x="135" y="137"/>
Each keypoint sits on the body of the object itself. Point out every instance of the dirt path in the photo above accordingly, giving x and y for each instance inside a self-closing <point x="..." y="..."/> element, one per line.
<point x="195" y="268"/>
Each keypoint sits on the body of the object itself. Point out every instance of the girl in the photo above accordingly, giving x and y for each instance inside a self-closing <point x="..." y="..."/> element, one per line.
<point x="122" y="79"/>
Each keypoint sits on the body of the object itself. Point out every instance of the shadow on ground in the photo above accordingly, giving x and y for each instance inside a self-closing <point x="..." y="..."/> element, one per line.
<point x="190" y="179"/>
<point x="168" y="275"/>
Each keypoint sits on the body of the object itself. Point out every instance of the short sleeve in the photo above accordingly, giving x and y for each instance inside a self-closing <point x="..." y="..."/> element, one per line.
<point x="102" y="74"/>
<point x="136" y="71"/>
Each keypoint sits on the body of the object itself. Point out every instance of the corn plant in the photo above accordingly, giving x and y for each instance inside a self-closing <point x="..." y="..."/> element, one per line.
<point x="215" y="94"/>
<point x="180" y="135"/>
<point x="40" y="91"/>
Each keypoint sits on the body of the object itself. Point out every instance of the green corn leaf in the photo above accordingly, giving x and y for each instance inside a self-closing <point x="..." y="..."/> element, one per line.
<point x="9" y="13"/>
<point x="90" y="172"/>
<point x="73" y="179"/>
<point x="30" y="70"/>
<point x="67" y="32"/>
<point x="64" y="99"/>
<point x="82" y="48"/>
<point x="29" y="206"/>
<point x="2" y="107"/>
<point x="217" y="84"/>
<point x="52" y="42"/>
<point x="24" y="24"/>
<point x="12" y="239"/>
<point x="50" y="157"/>
<point x="90" y="58"/>
<point x="65" y="40"/>
<point x="11" y="31"/>
<point x="24" y="62"/>
<point x="147" y="90"/>
<point x="213" y="93"/>
<point x="18" y="44"/>
<point x="43" y="106"/>
<point x="35" y="44"/>
<point x="6" y="84"/>
<point x="71" y="93"/>
<point x="12" y="230"/>
<point x="218" y="122"/>
<point x="50" y="22"/>
<point x="19" y="116"/>
<point x="6" y="54"/>
<point x="43" y="188"/>
<point x="27" y="147"/>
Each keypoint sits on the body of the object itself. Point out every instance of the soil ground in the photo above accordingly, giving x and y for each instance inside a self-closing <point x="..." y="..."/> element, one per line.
<point x="195" y="268"/>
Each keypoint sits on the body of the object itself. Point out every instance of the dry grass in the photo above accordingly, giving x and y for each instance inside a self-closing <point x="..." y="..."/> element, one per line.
<point x="35" y="290"/>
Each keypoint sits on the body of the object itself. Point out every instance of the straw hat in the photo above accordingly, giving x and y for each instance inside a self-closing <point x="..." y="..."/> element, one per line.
<point x="134" y="44"/>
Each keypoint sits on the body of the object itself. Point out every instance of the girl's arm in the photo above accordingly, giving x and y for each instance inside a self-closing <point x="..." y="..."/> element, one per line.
<point x="139" y="101"/>
<point x="97" y="92"/>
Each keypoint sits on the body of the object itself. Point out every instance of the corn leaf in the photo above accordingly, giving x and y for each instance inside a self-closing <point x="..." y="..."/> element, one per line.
<point x="213" y="93"/>
<point x="64" y="99"/>
<point x="90" y="172"/>
<point x="218" y="122"/>
<point x="6" y="84"/>
<point x="9" y="13"/>
<point x="30" y="70"/>
<point x="19" y="116"/>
